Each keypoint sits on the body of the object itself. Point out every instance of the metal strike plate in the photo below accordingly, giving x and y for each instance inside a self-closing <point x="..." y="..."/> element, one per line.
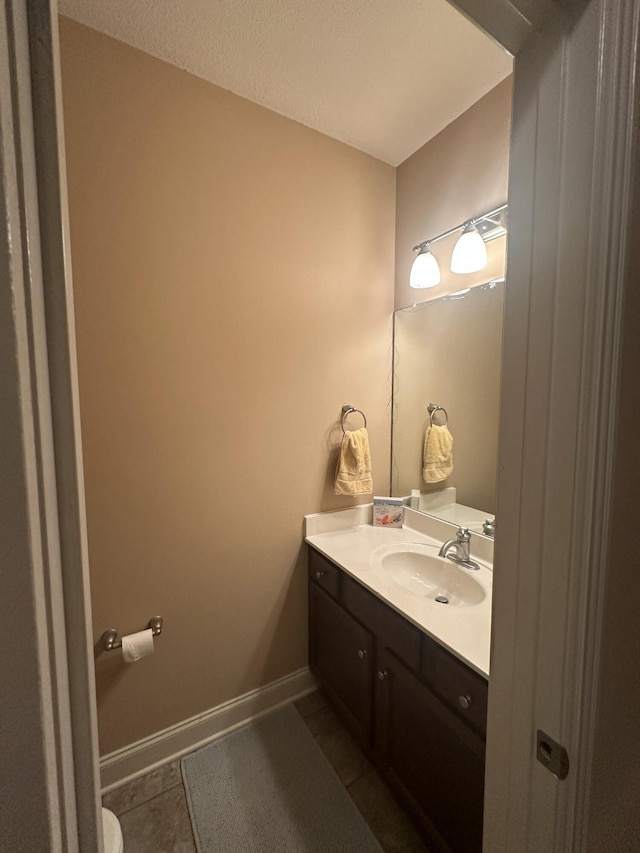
<point x="552" y="755"/>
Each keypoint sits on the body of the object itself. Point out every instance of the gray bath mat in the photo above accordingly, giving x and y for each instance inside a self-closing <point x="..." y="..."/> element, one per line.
<point x="268" y="787"/>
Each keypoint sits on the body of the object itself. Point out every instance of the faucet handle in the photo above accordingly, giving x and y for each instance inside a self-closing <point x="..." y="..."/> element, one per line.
<point x="489" y="527"/>
<point x="463" y="534"/>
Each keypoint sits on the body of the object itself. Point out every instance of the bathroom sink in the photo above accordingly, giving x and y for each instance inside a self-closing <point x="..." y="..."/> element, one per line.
<point x="418" y="569"/>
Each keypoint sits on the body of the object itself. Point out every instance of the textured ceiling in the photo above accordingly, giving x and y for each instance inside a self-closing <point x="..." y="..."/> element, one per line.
<point x="381" y="75"/>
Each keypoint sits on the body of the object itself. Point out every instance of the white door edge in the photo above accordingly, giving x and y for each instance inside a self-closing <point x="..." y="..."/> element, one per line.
<point x="46" y="540"/>
<point x="572" y="154"/>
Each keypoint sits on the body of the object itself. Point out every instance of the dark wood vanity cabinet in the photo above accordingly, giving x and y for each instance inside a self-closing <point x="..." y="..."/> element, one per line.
<point x="419" y="711"/>
<point x="342" y="651"/>
<point x="430" y="757"/>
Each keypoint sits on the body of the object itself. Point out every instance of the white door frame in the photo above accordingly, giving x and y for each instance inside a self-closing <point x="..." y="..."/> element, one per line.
<point x="572" y="149"/>
<point x="49" y="783"/>
<point x="572" y="153"/>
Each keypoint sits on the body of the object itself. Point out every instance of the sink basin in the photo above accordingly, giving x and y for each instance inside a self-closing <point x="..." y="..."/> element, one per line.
<point x="419" y="570"/>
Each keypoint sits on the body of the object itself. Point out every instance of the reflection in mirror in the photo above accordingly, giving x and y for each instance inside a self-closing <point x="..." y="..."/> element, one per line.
<point x="447" y="351"/>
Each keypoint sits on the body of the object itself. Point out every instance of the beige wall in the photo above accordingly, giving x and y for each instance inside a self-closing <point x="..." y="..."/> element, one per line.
<point x="460" y="173"/>
<point x="233" y="283"/>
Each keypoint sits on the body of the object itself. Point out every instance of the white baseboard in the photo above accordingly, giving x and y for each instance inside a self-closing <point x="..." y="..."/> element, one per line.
<point x="145" y="755"/>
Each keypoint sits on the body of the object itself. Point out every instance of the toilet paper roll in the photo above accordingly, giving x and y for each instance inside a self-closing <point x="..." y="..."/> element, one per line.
<point x="136" y="646"/>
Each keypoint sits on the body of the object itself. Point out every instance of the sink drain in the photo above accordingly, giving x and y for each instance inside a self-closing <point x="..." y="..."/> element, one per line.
<point x="442" y="599"/>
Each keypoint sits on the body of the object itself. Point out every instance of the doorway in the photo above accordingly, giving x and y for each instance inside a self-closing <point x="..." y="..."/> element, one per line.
<point x="564" y="177"/>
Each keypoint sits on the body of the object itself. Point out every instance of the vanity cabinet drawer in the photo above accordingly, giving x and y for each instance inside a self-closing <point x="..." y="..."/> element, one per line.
<point x="324" y="573"/>
<point x="462" y="689"/>
<point x="390" y="628"/>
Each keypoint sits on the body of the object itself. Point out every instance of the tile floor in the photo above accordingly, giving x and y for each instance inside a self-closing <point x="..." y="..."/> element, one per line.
<point x="155" y="819"/>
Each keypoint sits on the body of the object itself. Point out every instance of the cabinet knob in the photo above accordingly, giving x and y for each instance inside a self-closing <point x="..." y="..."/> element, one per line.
<point x="382" y="674"/>
<point x="464" y="702"/>
<point x="319" y="574"/>
<point x="362" y="653"/>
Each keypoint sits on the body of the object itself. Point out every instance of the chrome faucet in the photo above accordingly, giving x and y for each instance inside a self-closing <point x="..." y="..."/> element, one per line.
<point x="461" y="546"/>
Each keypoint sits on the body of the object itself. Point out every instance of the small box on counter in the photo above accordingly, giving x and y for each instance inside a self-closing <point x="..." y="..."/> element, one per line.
<point x="388" y="512"/>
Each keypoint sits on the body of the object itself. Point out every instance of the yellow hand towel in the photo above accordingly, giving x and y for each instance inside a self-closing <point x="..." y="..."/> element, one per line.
<point x="438" y="454"/>
<point x="353" y="474"/>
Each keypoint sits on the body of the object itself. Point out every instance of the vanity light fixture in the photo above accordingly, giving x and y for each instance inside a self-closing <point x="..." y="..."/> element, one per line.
<point x="469" y="253"/>
<point x="425" y="271"/>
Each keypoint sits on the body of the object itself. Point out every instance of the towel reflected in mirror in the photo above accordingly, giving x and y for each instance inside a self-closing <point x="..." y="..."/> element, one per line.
<point x="438" y="454"/>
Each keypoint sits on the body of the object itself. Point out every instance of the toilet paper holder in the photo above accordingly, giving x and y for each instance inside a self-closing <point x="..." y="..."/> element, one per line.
<point x="110" y="638"/>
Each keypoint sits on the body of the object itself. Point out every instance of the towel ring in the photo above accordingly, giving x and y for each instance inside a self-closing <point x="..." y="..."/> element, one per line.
<point x="433" y="408"/>
<point x="348" y="410"/>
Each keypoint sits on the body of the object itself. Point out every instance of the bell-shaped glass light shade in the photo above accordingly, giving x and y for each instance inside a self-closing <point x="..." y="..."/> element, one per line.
<point x="425" y="271"/>
<point x="470" y="252"/>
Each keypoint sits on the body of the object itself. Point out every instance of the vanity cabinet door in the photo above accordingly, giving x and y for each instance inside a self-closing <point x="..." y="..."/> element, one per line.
<point x="433" y="761"/>
<point x="341" y="656"/>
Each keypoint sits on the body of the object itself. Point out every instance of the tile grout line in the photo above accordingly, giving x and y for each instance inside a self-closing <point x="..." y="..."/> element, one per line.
<point x="146" y="801"/>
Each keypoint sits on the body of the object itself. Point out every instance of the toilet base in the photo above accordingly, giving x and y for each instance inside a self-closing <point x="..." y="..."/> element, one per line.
<point x="112" y="833"/>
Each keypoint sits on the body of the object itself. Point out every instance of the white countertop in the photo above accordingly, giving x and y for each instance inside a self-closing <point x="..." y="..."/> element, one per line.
<point x="349" y="539"/>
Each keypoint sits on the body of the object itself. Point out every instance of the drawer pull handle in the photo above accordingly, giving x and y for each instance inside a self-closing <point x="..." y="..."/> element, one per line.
<point x="319" y="574"/>
<point x="382" y="674"/>
<point x="464" y="702"/>
<point x="362" y="653"/>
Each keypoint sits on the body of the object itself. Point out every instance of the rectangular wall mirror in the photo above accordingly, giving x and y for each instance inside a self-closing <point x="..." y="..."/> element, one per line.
<point x="448" y="351"/>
